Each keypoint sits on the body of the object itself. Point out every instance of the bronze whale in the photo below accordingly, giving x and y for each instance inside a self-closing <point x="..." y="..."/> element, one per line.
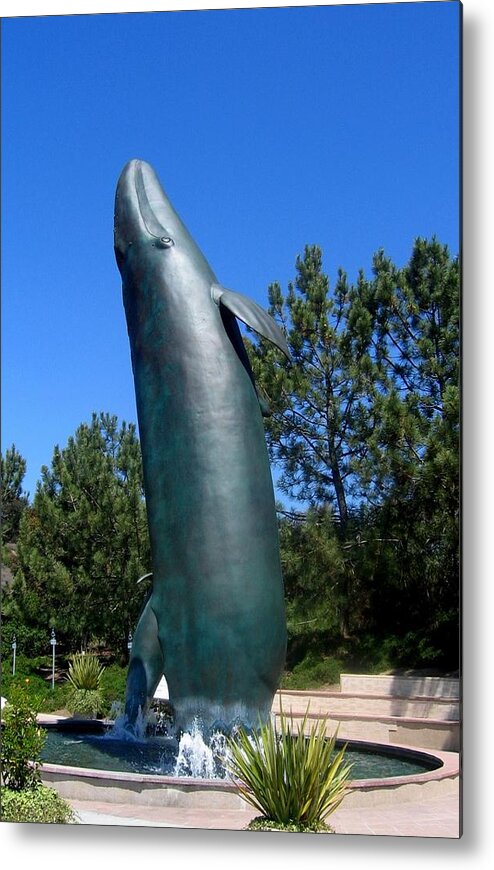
<point x="214" y="623"/>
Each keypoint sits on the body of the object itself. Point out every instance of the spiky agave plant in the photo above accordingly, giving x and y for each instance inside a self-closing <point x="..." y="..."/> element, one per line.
<point x="295" y="780"/>
<point x="85" y="695"/>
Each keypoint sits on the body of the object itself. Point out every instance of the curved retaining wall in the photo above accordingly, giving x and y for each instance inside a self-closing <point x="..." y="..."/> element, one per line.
<point x="148" y="790"/>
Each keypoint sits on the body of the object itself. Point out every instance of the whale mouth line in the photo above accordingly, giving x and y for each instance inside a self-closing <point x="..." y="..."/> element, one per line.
<point x="149" y="218"/>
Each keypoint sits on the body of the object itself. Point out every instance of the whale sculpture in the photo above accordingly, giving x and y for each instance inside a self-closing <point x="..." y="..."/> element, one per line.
<point x="214" y="623"/>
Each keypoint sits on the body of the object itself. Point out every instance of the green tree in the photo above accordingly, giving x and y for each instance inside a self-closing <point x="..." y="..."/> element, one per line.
<point x="404" y="327"/>
<point x="314" y="398"/>
<point x="318" y="402"/>
<point x="364" y="431"/>
<point x="313" y="566"/>
<point x="84" y="543"/>
<point x="14" y="499"/>
<point x="405" y="323"/>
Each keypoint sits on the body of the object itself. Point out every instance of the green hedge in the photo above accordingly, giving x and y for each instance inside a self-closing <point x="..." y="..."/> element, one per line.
<point x="40" y="804"/>
<point x="113" y="684"/>
<point x="312" y="672"/>
<point x="28" y="675"/>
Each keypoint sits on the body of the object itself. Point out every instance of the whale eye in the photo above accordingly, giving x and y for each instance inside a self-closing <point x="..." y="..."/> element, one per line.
<point x="166" y="242"/>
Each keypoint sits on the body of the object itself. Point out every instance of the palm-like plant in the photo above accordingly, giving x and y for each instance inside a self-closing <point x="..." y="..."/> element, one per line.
<point x="294" y="780"/>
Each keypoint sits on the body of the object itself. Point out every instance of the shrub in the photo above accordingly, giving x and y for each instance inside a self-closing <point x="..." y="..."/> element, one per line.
<point x="39" y="804"/>
<point x="295" y="781"/>
<point x="29" y="640"/>
<point x="113" y="685"/>
<point x="35" y="674"/>
<point x="87" y="702"/>
<point x="313" y="671"/>
<point x="22" y="742"/>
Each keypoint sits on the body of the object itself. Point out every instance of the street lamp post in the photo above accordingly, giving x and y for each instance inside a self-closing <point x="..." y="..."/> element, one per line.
<point x="14" y="647"/>
<point x="53" y="642"/>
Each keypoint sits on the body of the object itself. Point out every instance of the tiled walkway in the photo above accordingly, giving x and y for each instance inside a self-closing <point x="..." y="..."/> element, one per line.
<point x="436" y="817"/>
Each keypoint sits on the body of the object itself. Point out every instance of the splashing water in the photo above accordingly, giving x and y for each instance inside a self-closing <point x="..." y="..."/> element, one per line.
<point x="116" y="710"/>
<point x="120" y="729"/>
<point x="199" y="753"/>
<point x="199" y="757"/>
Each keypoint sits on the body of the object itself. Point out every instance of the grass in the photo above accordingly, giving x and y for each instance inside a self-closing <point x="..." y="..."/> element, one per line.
<point x="261" y="823"/>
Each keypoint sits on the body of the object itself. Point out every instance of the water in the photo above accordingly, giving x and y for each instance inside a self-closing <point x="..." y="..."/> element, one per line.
<point x="199" y="758"/>
<point x="192" y="755"/>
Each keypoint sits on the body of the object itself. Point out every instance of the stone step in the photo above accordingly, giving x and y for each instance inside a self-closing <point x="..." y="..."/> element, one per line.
<point x="401" y="686"/>
<point x="336" y="703"/>
<point x="408" y="731"/>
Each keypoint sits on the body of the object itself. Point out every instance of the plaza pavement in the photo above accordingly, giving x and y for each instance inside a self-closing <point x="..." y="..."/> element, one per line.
<point x="435" y="817"/>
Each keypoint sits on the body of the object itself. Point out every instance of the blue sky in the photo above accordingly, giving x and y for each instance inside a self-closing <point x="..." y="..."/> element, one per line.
<point x="269" y="129"/>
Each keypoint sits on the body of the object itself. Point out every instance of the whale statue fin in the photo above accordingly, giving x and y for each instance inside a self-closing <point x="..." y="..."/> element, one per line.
<point x="250" y="313"/>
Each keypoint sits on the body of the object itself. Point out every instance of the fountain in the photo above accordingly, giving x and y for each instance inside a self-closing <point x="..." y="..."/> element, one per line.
<point x="193" y="756"/>
<point x="214" y="621"/>
<point x="98" y="760"/>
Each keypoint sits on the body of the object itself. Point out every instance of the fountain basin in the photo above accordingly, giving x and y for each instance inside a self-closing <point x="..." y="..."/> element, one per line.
<point x="148" y="789"/>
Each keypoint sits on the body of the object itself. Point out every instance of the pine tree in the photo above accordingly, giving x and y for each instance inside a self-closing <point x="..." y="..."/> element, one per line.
<point x="314" y="398"/>
<point x="411" y="469"/>
<point x="14" y="499"/>
<point x="365" y="425"/>
<point x="405" y="324"/>
<point x="84" y="542"/>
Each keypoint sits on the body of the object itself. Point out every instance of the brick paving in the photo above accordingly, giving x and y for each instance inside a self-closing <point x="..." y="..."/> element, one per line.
<point x="435" y="817"/>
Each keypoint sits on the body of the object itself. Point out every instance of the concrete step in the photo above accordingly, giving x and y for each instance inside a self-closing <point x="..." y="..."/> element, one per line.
<point x="336" y="703"/>
<point x="401" y="686"/>
<point x="424" y="733"/>
<point x="428" y="722"/>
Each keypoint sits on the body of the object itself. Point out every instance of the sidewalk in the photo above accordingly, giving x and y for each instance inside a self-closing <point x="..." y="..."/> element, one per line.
<point x="436" y="817"/>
